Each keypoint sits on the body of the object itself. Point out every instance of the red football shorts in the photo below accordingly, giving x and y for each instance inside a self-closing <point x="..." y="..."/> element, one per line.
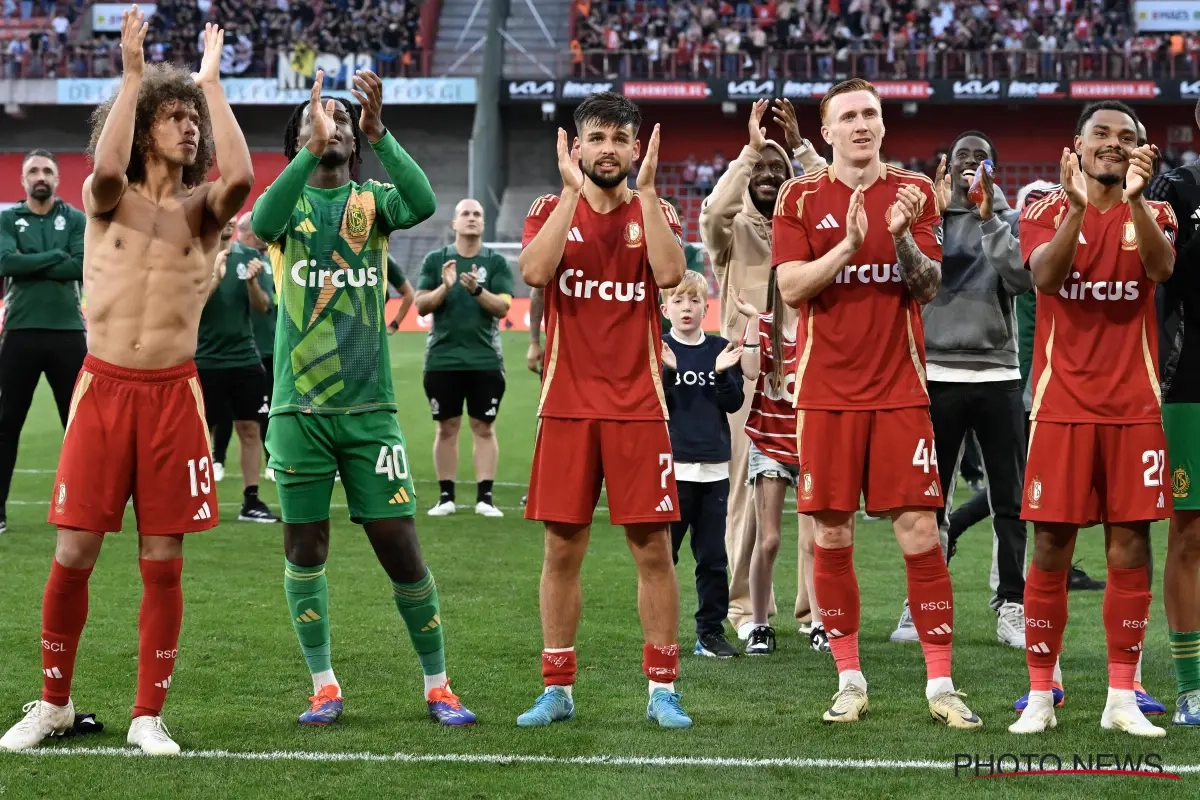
<point x="140" y="433"/>
<point x="1084" y="474"/>
<point x="886" y="456"/>
<point x="573" y="456"/>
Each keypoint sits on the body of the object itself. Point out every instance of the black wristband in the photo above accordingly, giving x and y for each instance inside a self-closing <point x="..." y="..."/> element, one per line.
<point x="478" y="290"/>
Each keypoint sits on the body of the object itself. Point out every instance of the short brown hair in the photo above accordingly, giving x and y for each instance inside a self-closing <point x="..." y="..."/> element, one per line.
<point x="161" y="84"/>
<point x="845" y="87"/>
<point x="693" y="283"/>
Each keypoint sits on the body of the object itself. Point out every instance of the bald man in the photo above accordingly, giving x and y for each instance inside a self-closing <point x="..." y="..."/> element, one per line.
<point x="468" y="290"/>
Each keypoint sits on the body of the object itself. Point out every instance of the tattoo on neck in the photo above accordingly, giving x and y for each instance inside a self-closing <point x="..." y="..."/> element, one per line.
<point x="921" y="274"/>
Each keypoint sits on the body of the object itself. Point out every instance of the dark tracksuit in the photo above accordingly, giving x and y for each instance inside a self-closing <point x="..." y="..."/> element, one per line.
<point x="41" y="263"/>
<point x="698" y="400"/>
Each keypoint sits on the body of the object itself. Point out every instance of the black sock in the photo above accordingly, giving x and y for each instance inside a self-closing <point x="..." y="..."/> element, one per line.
<point x="447" y="492"/>
<point x="483" y="493"/>
<point x="250" y="494"/>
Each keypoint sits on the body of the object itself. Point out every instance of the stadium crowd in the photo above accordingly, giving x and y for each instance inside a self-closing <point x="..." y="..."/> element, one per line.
<point x="1050" y="39"/>
<point x="255" y="33"/>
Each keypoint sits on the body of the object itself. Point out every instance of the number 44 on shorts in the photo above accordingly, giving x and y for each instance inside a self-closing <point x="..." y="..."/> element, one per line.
<point x="925" y="457"/>
<point x="392" y="462"/>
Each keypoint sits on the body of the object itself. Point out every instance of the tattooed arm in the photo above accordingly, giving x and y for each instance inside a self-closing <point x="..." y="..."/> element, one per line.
<point x="922" y="275"/>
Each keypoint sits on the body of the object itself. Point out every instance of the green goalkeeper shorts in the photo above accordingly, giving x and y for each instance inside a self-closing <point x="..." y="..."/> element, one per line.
<point x="306" y="450"/>
<point x="1181" y="422"/>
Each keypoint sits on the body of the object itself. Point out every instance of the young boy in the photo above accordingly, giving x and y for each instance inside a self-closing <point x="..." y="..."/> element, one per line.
<point x="703" y="383"/>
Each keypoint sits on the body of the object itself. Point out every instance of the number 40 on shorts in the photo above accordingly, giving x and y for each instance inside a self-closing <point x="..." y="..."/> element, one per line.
<point x="393" y="462"/>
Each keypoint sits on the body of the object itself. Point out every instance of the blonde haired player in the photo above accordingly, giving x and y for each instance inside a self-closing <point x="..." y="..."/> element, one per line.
<point x="857" y="249"/>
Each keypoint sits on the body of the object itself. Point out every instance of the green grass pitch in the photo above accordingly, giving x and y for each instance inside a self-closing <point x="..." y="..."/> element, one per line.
<point x="240" y="680"/>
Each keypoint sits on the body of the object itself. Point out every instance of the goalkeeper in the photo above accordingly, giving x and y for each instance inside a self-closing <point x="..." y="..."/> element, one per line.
<point x="333" y="407"/>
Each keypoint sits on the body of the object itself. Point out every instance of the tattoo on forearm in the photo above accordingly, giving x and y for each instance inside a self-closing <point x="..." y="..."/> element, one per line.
<point x="922" y="275"/>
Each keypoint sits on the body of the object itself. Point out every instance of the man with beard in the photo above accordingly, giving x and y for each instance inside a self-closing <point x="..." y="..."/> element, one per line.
<point x="334" y="407"/>
<point x="735" y="226"/>
<point x="1096" y="248"/>
<point x="973" y="371"/>
<point x="41" y="261"/>
<point x="601" y="251"/>
<point x="136" y="426"/>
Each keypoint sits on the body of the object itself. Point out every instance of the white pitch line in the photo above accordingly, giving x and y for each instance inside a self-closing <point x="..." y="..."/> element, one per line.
<point x="501" y="758"/>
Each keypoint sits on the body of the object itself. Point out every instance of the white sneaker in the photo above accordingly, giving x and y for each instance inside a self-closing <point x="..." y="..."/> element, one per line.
<point x="1010" y="625"/>
<point x="218" y="471"/>
<point x="487" y="510"/>
<point x="1038" y="716"/>
<point x="269" y="474"/>
<point x="41" y="720"/>
<point x="1121" y="713"/>
<point x="443" y="509"/>
<point x="152" y="736"/>
<point x="906" y="629"/>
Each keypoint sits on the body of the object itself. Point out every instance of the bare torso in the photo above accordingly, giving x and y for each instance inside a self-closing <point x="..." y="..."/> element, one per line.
<point x="146" y="273"/>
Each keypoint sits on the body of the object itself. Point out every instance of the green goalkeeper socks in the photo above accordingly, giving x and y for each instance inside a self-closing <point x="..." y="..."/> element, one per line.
<point x="418" y="607"/>
<point x="308" y="601"/>
<point x="1185" y="652"/>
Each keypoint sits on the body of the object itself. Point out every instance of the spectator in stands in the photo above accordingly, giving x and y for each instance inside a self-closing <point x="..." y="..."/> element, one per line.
<point x="735" y="226"/>
<point x="705" y="176"/>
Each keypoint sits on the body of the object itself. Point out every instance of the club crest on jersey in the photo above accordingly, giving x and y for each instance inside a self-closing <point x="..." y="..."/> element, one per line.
<point x="633" y="235"/>
<point x="60" y="224"/>
<point x="60" y="497"/>
<point x="1129" y="236"/>
<point x="1180" y="483"/>
<point x="806" y="486"/>
<point x="356" y="220"/>
<point x="1035" y="493"/>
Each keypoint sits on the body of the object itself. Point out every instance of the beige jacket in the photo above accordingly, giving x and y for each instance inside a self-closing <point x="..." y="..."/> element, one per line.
<point x="738" y="238"/>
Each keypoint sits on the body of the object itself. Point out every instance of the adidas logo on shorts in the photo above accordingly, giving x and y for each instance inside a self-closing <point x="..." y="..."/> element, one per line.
<point x="204" y="513"/>
<point x="666" y="505"/>
<point x="934" y="490"/>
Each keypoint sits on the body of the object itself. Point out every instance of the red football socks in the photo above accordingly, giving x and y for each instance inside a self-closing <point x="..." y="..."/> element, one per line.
<point x="931" y="603"/>
<point x="158" y="633"/>
<point x="64" y="612"/>
<point x="660" y="662"/>
<point x="1126" y="609"/>
<point x="1045" y="621"/>
<point x="558" y="667"/>
<point x="837" y="593"/>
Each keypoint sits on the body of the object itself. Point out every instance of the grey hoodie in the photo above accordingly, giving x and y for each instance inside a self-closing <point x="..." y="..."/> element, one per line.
<point x="971" y="321"/>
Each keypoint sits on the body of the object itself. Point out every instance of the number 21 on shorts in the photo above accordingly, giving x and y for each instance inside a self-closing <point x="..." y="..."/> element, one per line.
<point x="392" y="462"/>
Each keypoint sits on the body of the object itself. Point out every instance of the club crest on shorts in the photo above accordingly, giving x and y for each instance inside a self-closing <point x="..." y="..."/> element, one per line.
<point x="60" y="497"/>
<point x="1180" y="482"/>
<point x="1035" y="493"/>
<point x="1128" y="236"/>
<point x="633" y="235"/>
<point x="806" y="485"/>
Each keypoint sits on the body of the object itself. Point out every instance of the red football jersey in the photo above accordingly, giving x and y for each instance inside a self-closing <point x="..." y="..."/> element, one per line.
<point x="1095" y="355"/>
<point x="771" y="423"/>
<point x="861" y="341"/>
<point x="603" y="329"/>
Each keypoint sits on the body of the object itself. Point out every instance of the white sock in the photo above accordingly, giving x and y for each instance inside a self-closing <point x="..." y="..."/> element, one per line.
<point x="1137" y="673"/>
<point x="435" y="682"/>
<point x="849" y="676"/>
<point x="1121" y="697"/>
<point x="324" y="678"/>
<point x="1045" y="697"/>
<point x="654" y="687"/>
<point x="1058" y="671"/>
<point x="936" y="686"/>
<point x="566" y="689"/>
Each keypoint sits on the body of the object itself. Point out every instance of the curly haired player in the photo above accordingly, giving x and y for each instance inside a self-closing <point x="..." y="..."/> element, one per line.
<point x="153" y="227"/>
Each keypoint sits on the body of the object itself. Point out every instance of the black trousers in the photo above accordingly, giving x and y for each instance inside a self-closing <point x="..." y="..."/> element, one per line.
<point x="995" y="413"/>
<point x="702" y="507"/>
<point x="223" y="431"/>
<point x="24" y="356"/>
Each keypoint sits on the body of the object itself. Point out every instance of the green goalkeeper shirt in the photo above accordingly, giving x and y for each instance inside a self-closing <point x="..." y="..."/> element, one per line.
<point x="328" y="252"/>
